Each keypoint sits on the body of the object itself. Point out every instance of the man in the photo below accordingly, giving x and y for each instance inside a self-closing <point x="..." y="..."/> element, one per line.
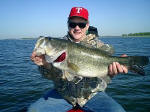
<point x="85" y="92"/>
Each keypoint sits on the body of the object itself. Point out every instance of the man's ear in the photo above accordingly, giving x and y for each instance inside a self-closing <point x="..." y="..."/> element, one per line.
<point x="87" y="26"/>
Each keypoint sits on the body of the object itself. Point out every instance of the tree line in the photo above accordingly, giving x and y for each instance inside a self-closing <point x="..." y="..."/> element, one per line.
<point x="137" y="34"/>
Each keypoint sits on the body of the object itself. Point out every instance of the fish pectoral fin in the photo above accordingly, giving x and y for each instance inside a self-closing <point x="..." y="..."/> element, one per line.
<point x="68" y="76"/>
<point x="73" y="67"/>
<point x="72" y="77"/>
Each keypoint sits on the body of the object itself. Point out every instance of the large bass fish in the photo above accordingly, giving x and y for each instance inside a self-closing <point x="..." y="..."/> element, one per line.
<point x="84" y="61"/>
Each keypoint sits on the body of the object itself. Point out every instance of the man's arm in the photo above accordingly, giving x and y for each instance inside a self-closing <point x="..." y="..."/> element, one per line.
<point x="46" y="69"/>
<point x="39" y="60"/>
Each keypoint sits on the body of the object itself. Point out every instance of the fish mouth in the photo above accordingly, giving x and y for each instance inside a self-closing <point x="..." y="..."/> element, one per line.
<point x="61" y="57"/>
<point x="39" y="51"/>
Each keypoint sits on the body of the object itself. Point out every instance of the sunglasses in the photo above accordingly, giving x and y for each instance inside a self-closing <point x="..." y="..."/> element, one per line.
<point x="74" y="24"/>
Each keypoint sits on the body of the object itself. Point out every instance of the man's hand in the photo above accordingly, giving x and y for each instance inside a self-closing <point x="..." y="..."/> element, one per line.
<point x="115" y="68"/>
<point x="38" y="60"/>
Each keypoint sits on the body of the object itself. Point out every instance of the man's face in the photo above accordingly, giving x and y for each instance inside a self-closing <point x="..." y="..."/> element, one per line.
<point x="77" y="28"/>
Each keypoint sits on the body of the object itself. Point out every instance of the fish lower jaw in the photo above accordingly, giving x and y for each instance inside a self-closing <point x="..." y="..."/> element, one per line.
<point x="49" y="59"/>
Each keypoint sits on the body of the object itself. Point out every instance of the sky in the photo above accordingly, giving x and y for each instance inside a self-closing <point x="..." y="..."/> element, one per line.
<point x="33" y="18"/>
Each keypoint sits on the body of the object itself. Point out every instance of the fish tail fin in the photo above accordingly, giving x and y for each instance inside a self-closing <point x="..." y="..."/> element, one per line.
<point x="137" y="69"/>
<point x="139" y="60"/>
<point x="137" y="63"/>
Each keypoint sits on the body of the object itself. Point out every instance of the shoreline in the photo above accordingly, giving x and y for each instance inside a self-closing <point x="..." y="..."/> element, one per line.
<point x="135" y="36"/>
<point x="124" y="36"/>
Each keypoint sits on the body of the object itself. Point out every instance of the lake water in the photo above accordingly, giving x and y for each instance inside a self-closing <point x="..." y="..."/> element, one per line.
<point x="21" y="84"/>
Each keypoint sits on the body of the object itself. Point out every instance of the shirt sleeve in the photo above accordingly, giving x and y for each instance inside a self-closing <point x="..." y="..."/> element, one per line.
<point x="93" y="41"/>
<point x="106" y="47"/>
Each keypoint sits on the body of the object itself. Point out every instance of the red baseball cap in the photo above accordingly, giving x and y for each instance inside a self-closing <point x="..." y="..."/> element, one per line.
<point x="79" y="12"/>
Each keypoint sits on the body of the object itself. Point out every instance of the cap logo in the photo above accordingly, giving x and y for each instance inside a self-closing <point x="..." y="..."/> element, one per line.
<point x="79" y="12"/>
<point x="79" y="9"/>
